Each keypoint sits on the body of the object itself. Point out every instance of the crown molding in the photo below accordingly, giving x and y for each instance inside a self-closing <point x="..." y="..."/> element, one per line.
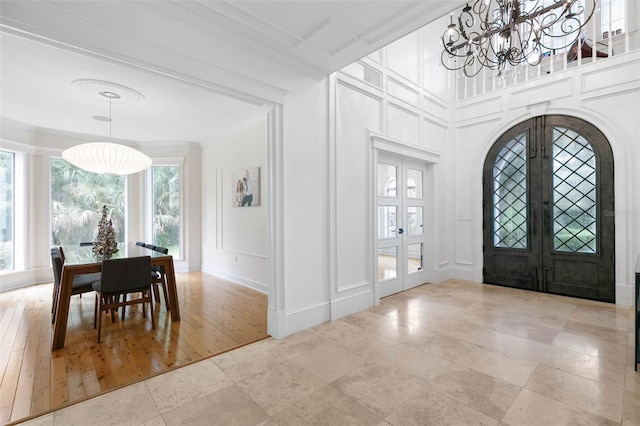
<point x="54" y="25"/>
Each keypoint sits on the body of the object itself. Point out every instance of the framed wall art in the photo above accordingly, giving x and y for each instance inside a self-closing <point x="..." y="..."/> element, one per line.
<point x="246" y="187"/>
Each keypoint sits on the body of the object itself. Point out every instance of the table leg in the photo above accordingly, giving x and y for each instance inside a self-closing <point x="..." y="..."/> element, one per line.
<point x="62" y="314"/>
<point x="172" y="290"/>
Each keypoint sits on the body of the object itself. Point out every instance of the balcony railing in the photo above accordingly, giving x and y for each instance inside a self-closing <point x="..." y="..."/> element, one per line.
<point x="488" y="80"/>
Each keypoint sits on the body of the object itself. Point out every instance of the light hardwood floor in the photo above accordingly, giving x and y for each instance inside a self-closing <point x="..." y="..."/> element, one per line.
<point x="216" y="316"/>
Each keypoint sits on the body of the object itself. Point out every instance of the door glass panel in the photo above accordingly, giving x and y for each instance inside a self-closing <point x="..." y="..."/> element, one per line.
<point x="386" y="222"/>
<point x="414" y="221"/>
<point x="387" y="263"/>
<point x="387" y="185"/>
<point x="574" y="193"/>
<point x="414" y="183"/>
<point x="414" y="258"/>
<point x="510" y="195"/>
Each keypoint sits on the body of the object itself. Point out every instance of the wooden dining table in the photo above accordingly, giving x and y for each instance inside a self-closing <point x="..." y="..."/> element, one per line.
<point x="80" y="261"/>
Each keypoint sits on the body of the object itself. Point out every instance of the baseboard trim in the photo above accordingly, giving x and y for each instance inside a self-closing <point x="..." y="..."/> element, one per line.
<point x="255" y="285"/>
<point x="625" y="293"/>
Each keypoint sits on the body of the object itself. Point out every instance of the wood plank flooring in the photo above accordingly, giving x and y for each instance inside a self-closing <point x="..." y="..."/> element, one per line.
<point x="216" y="316"/>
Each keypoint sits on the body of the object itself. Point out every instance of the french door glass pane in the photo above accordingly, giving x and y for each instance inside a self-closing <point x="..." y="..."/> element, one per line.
<point x="7" y="167"/>
<point x="574" y="193"/>
<point x="414" y="221"/>
<point x="414" y="257"/>
<point x="77" y="197"/>
<point x="386" y="222"/>
<point x="510" y="195"/>
<point x="387" y="263"/>
<point x="414" y="183"/>
<point x="166" y="207"/>
<point x="387" y="185"/>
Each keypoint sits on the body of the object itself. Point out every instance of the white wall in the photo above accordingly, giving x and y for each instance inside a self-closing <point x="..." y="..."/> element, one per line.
<point x="235" y="238"/>
<point x="328" y="161"/>
<point x="306" y="184"/>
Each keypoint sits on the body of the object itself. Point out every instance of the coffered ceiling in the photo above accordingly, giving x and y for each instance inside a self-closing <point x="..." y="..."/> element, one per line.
<point x="203" y="66"/>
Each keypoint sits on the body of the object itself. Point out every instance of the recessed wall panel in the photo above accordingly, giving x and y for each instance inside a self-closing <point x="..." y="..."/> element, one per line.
<point x="434" y="136"/>
<point x="402" y="124"/>
<point x="402" y="56"/>
<point x="357" y="113"/>
<point x="402" y="92"/>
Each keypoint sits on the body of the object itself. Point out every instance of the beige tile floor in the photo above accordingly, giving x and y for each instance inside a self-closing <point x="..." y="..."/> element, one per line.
<point x="456" y="353"/>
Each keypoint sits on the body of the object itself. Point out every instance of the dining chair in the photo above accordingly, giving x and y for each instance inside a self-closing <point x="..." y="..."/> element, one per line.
<point x="121" y="277"/>
<point x="81" y="283"/>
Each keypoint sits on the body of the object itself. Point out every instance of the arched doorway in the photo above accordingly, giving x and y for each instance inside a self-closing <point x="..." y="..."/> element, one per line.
<point x="548" y="208"/>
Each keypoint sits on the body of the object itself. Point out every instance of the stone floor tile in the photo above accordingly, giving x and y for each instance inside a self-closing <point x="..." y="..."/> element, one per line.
<point x="588" y="395"/>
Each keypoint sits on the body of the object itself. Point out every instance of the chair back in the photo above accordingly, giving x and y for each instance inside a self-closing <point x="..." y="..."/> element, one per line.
<point x="125" y="275"/>
<point x="162" y="250"/>
<point x="56" y="263"/>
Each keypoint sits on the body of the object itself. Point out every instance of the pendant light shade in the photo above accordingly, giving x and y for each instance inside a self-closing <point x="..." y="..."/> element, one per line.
<point x="106" y="157"/>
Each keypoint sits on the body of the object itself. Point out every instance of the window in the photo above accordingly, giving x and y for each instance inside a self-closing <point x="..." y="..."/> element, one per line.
<point x="77" y="198"/>
<point x="612" y="17"/>
<point x="166" y="207"/>
<point x="7" y="191"/>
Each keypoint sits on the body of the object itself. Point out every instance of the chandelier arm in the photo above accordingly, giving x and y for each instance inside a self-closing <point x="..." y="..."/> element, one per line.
<point x="510" y="32"/>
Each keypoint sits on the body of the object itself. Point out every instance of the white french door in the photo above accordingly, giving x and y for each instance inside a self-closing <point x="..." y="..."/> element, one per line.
<point x="400" y="220"/>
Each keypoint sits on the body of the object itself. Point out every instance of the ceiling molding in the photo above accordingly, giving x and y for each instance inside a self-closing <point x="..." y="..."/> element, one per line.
<point x="205" y="66"/>
<point x="40" y="27"/>
<point x="409" y="19"/>
<point x="239" y="29"/>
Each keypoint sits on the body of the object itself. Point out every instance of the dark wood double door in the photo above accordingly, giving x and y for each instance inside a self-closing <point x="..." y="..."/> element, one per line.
<point x="548" y="209"/>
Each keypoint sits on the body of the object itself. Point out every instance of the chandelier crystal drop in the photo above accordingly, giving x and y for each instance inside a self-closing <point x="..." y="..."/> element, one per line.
<point x="107" y="157"/>
<point x="495" y="34"/>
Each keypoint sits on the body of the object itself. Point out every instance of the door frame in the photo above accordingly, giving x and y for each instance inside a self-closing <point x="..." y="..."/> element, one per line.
<point x="402" y="240"/>
<point x="379" y="143"/>
<point x="623" y="170"/>
<point x="534" y="266"/>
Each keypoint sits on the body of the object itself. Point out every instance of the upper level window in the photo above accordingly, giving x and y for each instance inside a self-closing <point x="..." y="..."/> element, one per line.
<point x="166" y="207"/>
<point x="612" y="17"/>
<point x="7" y="203"/>
<point x="77" y="198"/>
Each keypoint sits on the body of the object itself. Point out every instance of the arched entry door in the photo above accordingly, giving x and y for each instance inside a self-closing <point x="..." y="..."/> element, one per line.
<point x="548" y="209"/>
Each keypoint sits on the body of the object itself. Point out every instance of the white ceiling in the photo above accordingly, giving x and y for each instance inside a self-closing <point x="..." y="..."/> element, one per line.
<point x="203" y="66"/>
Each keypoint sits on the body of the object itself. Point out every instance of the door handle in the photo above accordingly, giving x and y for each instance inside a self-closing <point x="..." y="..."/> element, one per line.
<point x="400" y="231"/>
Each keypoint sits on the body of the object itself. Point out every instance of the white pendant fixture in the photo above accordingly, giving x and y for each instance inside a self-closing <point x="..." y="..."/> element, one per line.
<point x="106" y="157"/>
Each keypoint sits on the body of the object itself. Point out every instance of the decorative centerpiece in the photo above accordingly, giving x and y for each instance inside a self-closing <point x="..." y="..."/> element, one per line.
<point x="105" y="243"/>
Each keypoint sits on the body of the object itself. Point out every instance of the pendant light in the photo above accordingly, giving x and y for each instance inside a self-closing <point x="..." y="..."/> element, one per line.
<point x="107" y="157"/>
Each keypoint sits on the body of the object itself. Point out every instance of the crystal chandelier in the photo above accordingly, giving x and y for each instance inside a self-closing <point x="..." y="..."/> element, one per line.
<point x="496" y="33"/>
<point x="106" y="157"/>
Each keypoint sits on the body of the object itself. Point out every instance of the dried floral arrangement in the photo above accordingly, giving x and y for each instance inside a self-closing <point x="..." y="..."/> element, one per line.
<point x="105" y="243"/>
